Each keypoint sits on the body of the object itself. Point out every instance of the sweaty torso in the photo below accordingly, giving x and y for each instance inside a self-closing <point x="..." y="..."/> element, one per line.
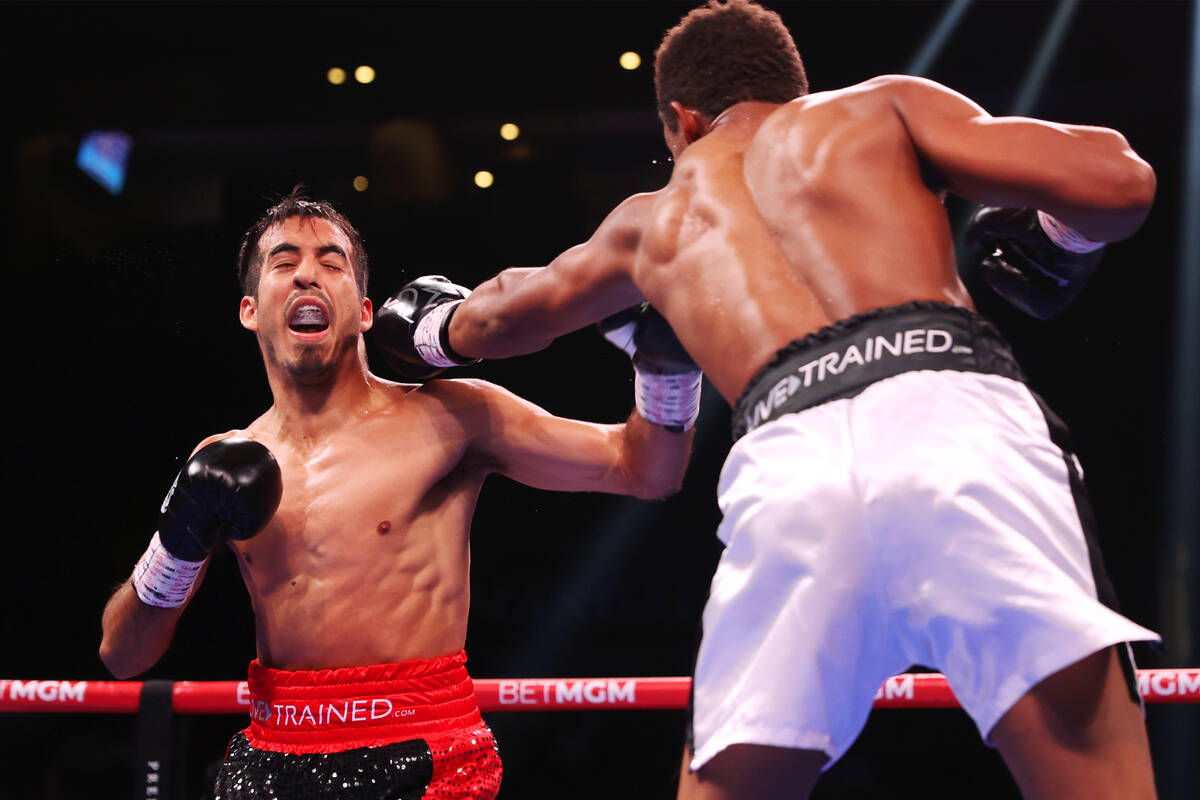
<point x="367" y="558"/>
<point x="786" y="218"/>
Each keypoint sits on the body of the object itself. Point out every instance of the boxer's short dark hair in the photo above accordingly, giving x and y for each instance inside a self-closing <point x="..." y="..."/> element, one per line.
<point x="295" y="204"/>
<point x="725" y="53"/>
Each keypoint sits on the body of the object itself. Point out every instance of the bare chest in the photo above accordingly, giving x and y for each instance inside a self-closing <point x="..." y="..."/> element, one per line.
<point x="353" y="496"/>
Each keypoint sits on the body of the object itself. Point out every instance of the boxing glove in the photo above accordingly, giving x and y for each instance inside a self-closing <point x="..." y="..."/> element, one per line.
<point x="667" y="381"/>
<point x="1031" y="259"/>
<point x="227" y="490"/>
<point x="412" y="328"/>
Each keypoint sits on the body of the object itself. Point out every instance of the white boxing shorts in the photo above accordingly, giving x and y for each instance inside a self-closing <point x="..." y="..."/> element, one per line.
<point x="898" y="497"/>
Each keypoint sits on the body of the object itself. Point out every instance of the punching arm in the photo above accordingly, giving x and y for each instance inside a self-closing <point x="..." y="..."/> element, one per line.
<point x="523" y="310"/>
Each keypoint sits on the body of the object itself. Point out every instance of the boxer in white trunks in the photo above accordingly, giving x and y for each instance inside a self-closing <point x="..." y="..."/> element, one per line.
<point x="895" y="493"/>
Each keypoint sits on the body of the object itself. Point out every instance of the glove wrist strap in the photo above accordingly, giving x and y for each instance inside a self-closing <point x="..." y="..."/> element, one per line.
<point x="1066" y="237"/>
<point x="430" y="337"/>
<point x="672" y="401"/>
<point x="162" y="580"/>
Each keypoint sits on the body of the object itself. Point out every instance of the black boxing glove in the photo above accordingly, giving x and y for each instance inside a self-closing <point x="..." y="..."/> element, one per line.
<point x="667" y="381"/>
<point x="1031" y="259"/>
<point x="412" y="328"/>
<point x="228" y="490"/>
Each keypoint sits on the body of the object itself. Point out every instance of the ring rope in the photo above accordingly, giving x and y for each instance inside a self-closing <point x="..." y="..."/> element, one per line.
<point x="910" y="690"/>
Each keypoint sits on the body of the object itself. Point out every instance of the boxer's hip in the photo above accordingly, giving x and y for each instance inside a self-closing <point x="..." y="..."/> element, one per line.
<point x="330" y="710"/>
<point x="844" y="358"/>
<point x="408" y="730"/>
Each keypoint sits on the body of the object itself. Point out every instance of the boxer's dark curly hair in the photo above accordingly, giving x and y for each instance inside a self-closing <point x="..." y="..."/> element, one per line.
<point x="295" y="204"/>
<point x="725" y="53"/>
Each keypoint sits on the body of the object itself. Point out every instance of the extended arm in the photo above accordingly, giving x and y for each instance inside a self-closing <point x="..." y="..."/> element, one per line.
<point x="528" y="444"/>
<point x="523" y="310"/>
<point x="646" y="457"/>
<point x="1087" y="177"/>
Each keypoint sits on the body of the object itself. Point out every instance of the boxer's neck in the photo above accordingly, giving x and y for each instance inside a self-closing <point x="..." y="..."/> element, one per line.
<point x="305" y="409"/>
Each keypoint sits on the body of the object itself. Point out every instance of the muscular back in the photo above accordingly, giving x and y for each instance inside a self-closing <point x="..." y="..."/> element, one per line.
<point x="786" y="218"/>
<point x="782" y="218"/>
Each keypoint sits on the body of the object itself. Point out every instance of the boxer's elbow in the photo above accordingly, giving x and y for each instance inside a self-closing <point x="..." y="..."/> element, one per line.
<point x="133" y="638"/>
<point x="654" y="484"/>
<point x="658" y="488"/>
<point x="1129" y="186"/>
<point x="643" y="488"/>
<point x="121" y="664"/>
<point x="1138" y="185"/>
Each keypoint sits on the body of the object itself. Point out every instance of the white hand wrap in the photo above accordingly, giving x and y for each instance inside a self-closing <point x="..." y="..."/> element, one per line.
<point x="669" y="400"/>
<point x="162" y="580"/>
<point x="622" y="337"/>
<point x="1066" y="237"/>
<point x="428" y="336"/>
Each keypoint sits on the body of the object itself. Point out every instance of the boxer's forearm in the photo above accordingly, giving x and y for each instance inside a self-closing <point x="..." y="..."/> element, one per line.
<point x="1108" y="194"/>
<point x="1087" y="177"/>
<point x="655" y="458"/>
<point x="491" y="323"/>
<point x="135" y="635"/>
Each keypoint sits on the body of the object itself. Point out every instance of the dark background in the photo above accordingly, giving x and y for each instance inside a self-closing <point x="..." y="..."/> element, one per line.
<point x="124" y="347"/>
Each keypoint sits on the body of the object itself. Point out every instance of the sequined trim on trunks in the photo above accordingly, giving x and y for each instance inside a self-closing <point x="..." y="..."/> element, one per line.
<point x="407" y="730"/>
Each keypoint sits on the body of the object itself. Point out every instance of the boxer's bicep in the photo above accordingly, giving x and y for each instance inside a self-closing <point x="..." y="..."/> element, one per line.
<point x="532" y="446"/>
<point x="1081" y="173"/>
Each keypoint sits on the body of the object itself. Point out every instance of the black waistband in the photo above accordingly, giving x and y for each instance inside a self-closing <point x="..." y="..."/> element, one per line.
<point x="842" y="359"/>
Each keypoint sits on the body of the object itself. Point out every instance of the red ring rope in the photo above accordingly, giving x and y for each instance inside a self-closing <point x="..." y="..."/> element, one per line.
<point x="924" y="690"/>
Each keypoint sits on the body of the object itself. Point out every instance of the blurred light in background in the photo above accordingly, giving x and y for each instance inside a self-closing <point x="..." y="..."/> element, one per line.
<point x="336" y="76"/>
<point x="509" y="131"/>
<point x="630" y="60"/>
<point x="936" y="42"/>
<point x="364" y="74"/>
<point x="484" y="179"/>
<point x="360" y="183"/>
<point x="104" y="157"/>
<point x="1035" y="78"/>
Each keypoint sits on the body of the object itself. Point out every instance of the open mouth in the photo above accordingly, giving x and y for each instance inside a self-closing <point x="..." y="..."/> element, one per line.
<point x="308" y="317"/>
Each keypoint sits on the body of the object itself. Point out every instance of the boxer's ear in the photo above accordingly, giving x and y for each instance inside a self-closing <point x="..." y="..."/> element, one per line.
<point x="367" y="315"/>
<point x="248" y="313"/>
<point x="689" y="122"/>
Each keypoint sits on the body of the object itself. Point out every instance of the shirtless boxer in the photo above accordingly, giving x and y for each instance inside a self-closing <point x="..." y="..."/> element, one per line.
<point x="348" y="504"/>
<point x="895" y="494"/>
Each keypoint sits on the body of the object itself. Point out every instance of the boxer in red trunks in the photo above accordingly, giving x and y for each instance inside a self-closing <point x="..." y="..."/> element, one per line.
<point x="348" y="504"/>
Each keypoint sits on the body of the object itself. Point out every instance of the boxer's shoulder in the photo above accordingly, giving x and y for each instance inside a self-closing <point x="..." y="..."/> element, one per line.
<point x="247" y="433"/>
<point x="467" y="400"/>
<point x="479" y="408"/>
<point x="623" y="228"/>
<point x="877" y="95"/>
<point x="462" y="395"/>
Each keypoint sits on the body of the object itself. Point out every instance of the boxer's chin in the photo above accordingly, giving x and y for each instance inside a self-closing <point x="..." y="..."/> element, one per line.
<point x="318" y="362"/>
<point x="309" y="367"/>
<point x="303" y="365"/>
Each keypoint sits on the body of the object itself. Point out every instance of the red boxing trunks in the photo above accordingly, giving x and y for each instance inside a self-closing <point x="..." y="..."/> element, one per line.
<point x="409" y="730"/>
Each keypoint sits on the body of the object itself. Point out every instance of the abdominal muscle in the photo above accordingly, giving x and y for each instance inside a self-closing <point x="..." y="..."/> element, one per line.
<point x="376" y="606"/>
<point x="367" y="559"/>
